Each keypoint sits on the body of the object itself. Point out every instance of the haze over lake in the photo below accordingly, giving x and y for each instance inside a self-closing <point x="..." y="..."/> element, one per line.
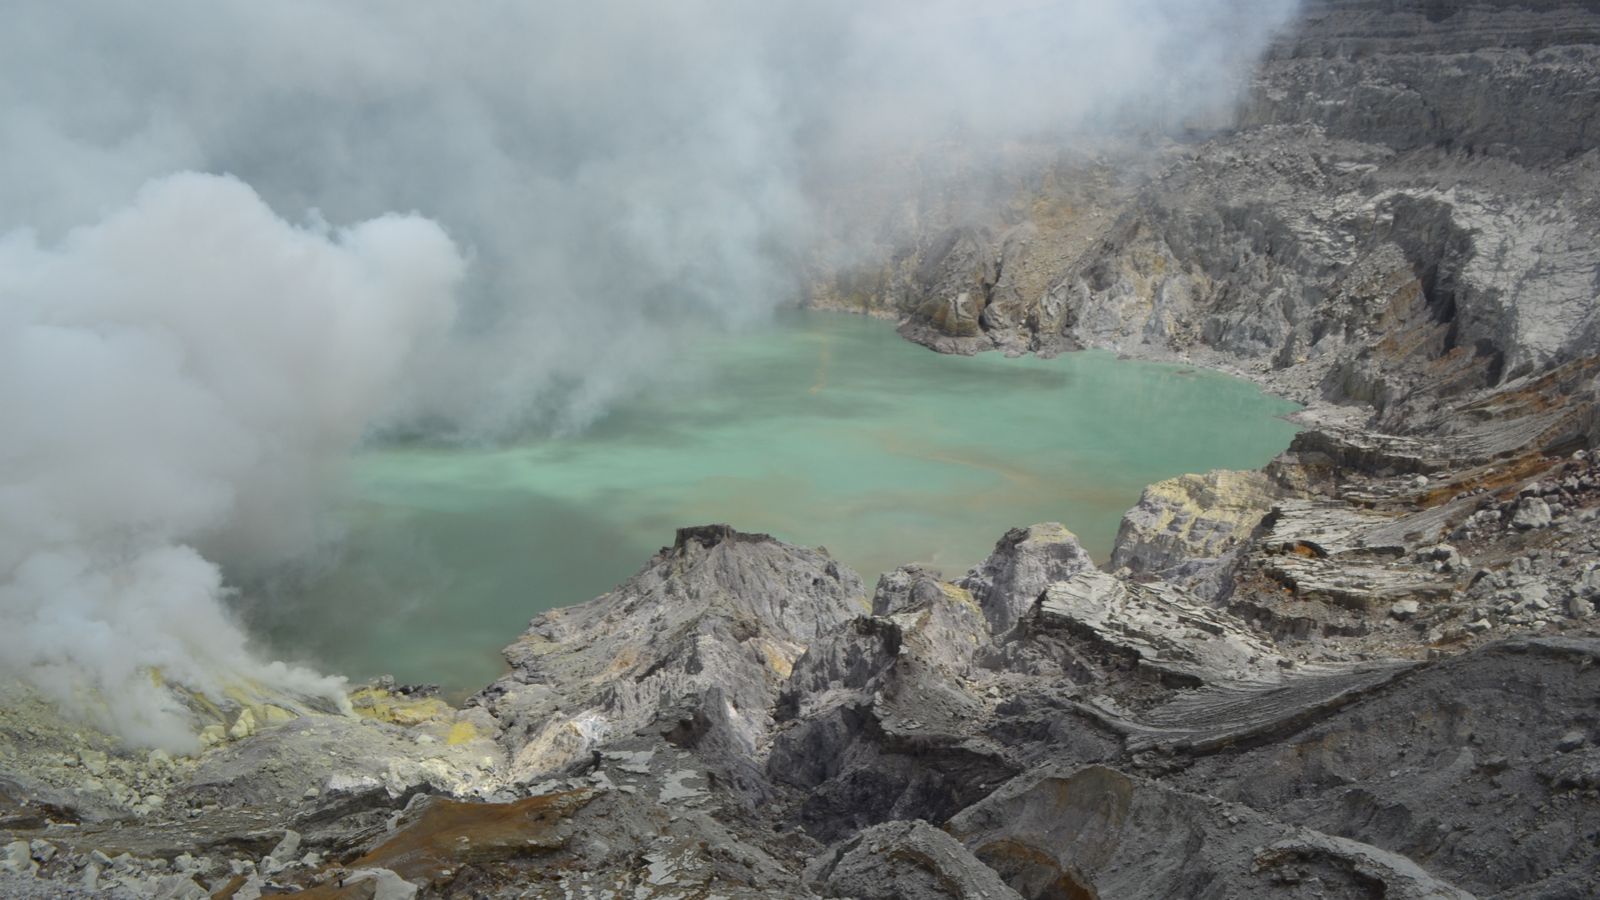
<point x="826" y="429"/>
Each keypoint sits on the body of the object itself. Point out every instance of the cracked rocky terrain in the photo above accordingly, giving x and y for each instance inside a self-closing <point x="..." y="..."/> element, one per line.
<point x="1370" y="669"/>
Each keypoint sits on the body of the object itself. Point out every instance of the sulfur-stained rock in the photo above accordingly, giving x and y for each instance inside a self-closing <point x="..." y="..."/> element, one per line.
<point x="93" y="761"/>
<point x="243" y="726"/>
<point x="326" y="756"/>
<point x="1191" y="521"/>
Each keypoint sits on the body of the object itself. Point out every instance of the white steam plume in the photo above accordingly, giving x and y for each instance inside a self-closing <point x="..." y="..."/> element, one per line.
<point x="184" y="374"/>
<point x="621" y="174"/>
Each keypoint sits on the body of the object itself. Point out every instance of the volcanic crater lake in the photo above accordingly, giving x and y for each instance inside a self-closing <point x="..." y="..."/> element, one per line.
<point x="826" y="429"/>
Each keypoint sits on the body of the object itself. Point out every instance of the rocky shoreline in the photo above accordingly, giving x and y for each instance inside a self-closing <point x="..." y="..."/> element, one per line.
<point x="1367" y="670"/>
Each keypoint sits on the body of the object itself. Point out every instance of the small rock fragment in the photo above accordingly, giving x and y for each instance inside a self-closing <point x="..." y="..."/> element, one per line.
<point x="93" y="760"/>
<point x="18" y="858"/>
<point x="178" y="887"/>
<point x="1404" y="609"/>
<point x="389" y="886"/>
<point x="1531" y="513"/>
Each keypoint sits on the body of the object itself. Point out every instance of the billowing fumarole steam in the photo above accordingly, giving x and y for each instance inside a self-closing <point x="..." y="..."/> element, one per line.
<point x="181" y="368"/>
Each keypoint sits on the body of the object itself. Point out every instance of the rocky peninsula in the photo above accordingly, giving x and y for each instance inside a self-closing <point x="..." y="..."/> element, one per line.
<point x="1370" y="669"/>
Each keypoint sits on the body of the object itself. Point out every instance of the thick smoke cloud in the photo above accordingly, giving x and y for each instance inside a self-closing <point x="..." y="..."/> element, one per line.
<point x="181" y="367"/>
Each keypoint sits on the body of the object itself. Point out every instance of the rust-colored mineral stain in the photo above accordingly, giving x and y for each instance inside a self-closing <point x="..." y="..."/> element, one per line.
<point x="1497" y="479"/>
<point x="452" y="833"/>
<point x="1035" y="872"/>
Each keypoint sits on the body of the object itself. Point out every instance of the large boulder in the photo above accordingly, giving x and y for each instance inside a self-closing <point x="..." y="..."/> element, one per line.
<point x="1190" y="522"/>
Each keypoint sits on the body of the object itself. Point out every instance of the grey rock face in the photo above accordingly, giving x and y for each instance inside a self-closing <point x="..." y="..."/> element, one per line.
<point x="718" y="609"/>
<point x="1408" y="214"/>
<point x="1531" y="512"/>
<point x="1513" y="78"/>
<point x="1024" y="561"/>
<point x="905" y="861"/>
<point x="1446" y="765"/>
<point x="1357" y="558"/>
<point x="881" y="720"/>
<point x="955" y="279"/>
<point x="1183" y="528"/>
<point x="1097" y="832"/>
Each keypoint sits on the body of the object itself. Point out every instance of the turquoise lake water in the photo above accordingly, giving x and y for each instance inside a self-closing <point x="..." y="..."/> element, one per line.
<point x="827" y="429"/>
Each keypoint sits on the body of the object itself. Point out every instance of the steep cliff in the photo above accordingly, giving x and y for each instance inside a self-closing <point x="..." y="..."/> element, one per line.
<point x="1410" y="210"/>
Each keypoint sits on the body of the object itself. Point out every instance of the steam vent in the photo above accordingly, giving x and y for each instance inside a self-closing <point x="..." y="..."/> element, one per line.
<point x="927" y="450"/>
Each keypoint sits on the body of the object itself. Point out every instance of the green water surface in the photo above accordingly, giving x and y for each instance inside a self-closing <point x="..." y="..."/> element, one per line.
<point x="827" y="429"/>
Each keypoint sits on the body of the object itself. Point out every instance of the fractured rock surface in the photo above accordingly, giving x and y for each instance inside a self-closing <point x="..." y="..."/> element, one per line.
<point x="717" y="609"/>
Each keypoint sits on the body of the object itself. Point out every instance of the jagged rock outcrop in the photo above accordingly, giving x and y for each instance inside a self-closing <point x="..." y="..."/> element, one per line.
<point x="905" y="861"/>
<point x="881" y="719"/>
<point x="1156" y="631"/>
<point x="1386" y="541"/>
<point x="1023" y="563"/>
<point x="1123" y="739"/>
<point x="1184" y="528"/>
<point x="718" y="609"/>
<point x="954" y="282"/>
